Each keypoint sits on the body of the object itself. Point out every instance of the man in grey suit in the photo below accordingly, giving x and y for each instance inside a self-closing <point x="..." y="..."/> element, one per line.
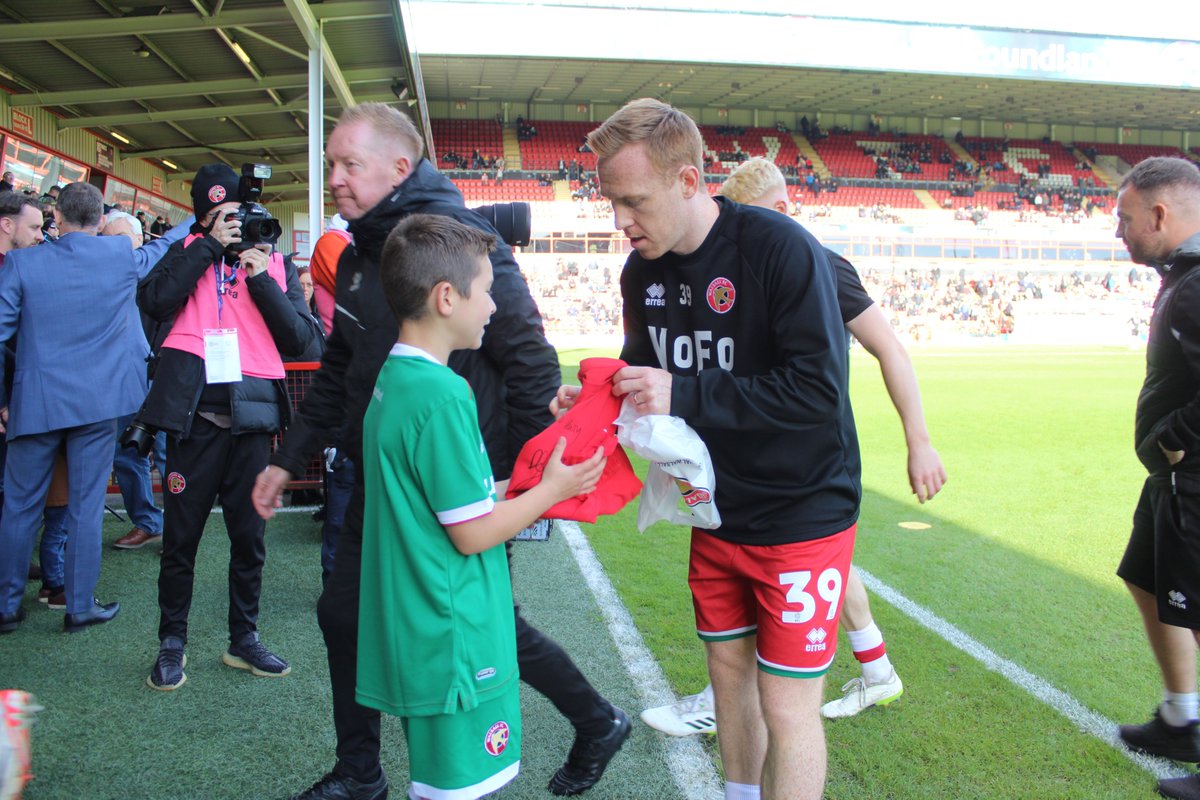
<point x="80" y="364"/>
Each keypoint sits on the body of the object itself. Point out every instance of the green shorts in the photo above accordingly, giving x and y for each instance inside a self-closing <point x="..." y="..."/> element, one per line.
<point x="465" y="755"/>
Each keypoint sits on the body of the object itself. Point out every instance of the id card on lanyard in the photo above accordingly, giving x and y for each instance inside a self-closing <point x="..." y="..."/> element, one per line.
<point x="222" y="359"/>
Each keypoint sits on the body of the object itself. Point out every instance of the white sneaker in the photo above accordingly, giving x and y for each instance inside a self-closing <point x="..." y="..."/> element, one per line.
<point x="858" y="695"/>
<point x="693" y="714"/>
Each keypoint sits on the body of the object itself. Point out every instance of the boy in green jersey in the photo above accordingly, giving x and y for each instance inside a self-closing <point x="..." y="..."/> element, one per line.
<point x="437" y="643"/>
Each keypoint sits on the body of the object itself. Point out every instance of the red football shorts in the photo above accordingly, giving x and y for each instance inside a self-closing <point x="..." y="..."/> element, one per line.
<point x="790" y="595"/>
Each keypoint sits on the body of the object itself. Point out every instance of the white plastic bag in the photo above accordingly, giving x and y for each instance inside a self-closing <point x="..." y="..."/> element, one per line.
<point x="681" y="485"/>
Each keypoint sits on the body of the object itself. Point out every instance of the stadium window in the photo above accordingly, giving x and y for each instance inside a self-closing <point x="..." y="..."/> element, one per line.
<point x="120" y="194"/>
<point x="1070" y="251"/>
<point x="903" y="250"/>
<point x="1049" y="252"/>
<point x="957" y="248"/>
<point x="569" y="246"/>
<point x="38" y="169"/>
<point x="987" y="251"/>
<point x="927" y="250"/>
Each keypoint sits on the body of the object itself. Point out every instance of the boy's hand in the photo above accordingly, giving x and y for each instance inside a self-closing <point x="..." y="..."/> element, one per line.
<point x="572" y="481"/>
<point x="564" y="398"/>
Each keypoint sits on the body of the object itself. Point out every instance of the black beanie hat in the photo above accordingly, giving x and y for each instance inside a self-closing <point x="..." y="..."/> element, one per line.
<point x="214" y="184"/>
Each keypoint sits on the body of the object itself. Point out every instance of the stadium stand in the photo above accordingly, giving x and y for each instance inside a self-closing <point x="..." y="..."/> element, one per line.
<point x="479" y="190"/>
<point x="554" y="141"/>
<point x="464" y="137"/>
<point x="1048" y="164"/>
<point x="1128" y="153"/>
<point x="725" y="146"/>
<point x="860" y="154"/>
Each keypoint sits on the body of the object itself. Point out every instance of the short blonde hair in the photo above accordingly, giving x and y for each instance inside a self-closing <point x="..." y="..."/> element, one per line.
<point x="752" y="180"/>
<point x="671" y="137"/>
<point x="389" y="123"/>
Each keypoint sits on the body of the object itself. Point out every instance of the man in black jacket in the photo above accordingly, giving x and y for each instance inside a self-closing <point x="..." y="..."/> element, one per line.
<point x="377" y="176"/>
<point x="219" y="394"/>
<point x="1158" y="218"/>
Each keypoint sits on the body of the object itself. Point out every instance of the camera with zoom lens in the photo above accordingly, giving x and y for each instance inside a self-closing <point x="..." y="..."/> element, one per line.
<point x="258" y="226"/>
<point x="138" y="436"/>
<point x="513" y="221"/>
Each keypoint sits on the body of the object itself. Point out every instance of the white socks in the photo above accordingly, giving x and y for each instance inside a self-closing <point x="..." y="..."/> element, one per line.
<point x="868" y="648"/>
<point x="1178" y="708"/>
<point x="742" y="791"/>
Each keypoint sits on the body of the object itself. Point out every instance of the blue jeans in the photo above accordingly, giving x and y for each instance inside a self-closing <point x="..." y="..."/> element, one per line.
<point x="133" y="476"/>
<point x="53" y="546"/>
<point x="339" y="485"/>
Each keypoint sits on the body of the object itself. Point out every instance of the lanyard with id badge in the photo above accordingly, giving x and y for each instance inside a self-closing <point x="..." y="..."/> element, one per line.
<point x="222" y="360"/>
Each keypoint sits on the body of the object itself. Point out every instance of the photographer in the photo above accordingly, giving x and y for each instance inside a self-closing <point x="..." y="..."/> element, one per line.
<point x="219" y="394"/>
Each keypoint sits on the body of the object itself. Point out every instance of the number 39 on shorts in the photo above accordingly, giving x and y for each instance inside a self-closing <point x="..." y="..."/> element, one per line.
<point x="828" y="588"/>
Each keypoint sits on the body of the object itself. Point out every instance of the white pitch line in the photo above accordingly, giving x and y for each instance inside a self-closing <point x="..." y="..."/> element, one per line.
<point x="1082" y="717"/>
<point x="691" y="768"/>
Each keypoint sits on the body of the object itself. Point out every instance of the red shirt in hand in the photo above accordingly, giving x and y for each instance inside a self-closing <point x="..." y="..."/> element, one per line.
<point x="586" y="426"/>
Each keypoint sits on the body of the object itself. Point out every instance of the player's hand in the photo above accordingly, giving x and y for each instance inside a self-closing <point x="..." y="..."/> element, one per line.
<point x="227" y="229"/>
<point x="1173" y="456"/>
<point x="254" y="261"/>
<point x="926" y="475"/>
<point x="576" y="480"/>
<point x="268" y="490"/>
<point x="4" y="420"/>
<point x="648" y="388"/>
<point x="564" y="398"/>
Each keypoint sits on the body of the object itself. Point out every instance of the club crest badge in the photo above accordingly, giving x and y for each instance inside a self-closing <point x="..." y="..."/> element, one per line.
<point x="216" y="194"/>
<point x="720" y="295"/>
<point x="495" y="741"/>
<point x="176" y="483"/>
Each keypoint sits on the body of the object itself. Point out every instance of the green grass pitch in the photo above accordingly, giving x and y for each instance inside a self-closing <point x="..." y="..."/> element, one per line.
<point x="1020" y="555"/>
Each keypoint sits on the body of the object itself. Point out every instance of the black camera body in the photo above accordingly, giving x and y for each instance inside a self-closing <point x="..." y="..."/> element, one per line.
<point x="258" y="226"/>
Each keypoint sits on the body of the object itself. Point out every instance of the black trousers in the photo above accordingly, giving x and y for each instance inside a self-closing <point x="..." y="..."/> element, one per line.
<point x="542" y="662"/>
<point x="212" y="463"/>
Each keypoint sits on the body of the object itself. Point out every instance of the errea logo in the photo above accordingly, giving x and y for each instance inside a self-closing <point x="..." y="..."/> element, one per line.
<point x="1177" y="599"/>
<point x="816" y="640"/>
<point x="656" y="295"/>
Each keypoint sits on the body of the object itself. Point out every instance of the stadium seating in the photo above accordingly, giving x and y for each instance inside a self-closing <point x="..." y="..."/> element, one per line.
<point x="1130" y="153"/>
<point x="464" y="136"/>
<point x="1023" y="156"/>
<point x="478" y="191"/>
<point x="989" y="200"/>
<point x="845" y="154"/>
<point x="766" y="143"/>
<point x="561" y="140"/>
<point x="554" y="141"/>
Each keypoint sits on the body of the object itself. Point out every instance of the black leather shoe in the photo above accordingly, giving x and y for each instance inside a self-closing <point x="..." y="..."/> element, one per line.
<point x="338" y="787"/>
<point x="9" y="622"/>
<point x="73" y="623"/>
<point x="589" y="757"/>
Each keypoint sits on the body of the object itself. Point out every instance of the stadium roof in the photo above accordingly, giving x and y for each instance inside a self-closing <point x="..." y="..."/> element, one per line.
<point x="190" y="80"/>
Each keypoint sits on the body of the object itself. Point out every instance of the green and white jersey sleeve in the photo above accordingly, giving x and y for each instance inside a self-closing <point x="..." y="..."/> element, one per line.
<point x="436" y="632"/>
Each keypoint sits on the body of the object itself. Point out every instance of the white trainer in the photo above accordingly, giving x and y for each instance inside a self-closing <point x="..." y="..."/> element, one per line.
<point x="691" y="715"/>
<point x="858" y="695"/>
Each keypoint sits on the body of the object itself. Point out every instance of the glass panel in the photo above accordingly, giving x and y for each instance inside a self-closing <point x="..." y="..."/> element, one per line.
<point x="119" y="194"/>
<point x="37" y="169"/>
